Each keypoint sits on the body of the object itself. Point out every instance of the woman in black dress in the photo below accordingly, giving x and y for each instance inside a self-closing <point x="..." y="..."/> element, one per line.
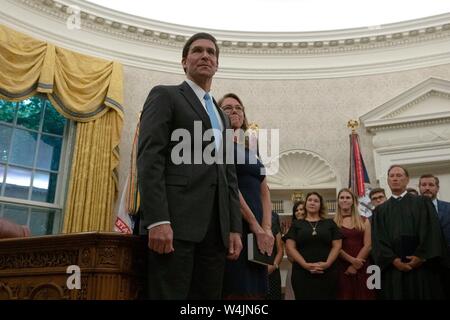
<point x="298" y="211"/>
<point x="314" y="242"/>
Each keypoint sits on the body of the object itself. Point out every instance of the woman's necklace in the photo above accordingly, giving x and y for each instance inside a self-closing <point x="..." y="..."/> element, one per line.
<point x="314" y="227"/>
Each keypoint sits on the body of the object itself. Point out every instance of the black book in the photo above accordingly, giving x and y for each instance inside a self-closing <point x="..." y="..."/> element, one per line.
<point x="408" y="245"/>
<point x="254" y="255"/>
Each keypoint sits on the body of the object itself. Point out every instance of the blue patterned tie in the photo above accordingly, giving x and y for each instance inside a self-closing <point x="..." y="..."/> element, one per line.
<point x="214" y="121"/>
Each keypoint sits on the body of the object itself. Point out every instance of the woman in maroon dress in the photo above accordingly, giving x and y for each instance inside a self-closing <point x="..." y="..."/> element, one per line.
<point x="356" y="246"/>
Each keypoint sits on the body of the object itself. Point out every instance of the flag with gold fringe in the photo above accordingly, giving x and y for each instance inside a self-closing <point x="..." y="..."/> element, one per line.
<point x="133" y="198"/>
<point x="358" y="173"/>
<point x="129" y="200"/>
<point x="123" y="222"/>
<point x="358" y="177"/>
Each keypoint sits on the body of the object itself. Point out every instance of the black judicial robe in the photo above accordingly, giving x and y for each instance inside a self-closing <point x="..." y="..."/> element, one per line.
<point x="405" y="227"/>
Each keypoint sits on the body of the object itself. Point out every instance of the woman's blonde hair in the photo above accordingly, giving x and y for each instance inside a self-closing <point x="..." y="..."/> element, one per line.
<point x="323" y="211"/>
<point x="357" y="220"/>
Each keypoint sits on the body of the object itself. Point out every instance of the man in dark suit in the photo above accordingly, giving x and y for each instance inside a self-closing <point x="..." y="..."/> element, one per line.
<point x="189" y="206"/>
<point x="429" y="187"/>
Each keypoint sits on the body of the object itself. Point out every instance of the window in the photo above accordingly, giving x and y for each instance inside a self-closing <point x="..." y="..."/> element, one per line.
<point x="33" y="164"/>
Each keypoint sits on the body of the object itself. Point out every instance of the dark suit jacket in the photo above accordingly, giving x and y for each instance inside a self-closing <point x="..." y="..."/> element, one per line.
<point x="444" y="218"/>
<point x="183" y="194"/>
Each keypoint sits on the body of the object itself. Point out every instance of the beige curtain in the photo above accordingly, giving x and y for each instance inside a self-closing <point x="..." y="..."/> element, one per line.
<point x="84" y="89"/>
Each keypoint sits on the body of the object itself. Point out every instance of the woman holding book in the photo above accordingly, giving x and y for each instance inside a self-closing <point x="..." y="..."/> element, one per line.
<point x="313" y="243"/>
<point x="356" y="245"/>
<point x="245" y="279"/>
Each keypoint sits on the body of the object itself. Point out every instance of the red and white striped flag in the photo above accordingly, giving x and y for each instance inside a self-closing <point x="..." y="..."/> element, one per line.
<point x="123" y="221"/>
<point x="358" y="176"/>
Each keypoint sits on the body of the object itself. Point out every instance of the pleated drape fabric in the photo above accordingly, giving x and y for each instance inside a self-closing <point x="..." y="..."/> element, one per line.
<point x="84" y="89"/>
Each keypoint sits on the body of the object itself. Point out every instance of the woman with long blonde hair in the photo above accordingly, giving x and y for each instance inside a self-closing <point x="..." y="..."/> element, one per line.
<point x="356" y="246"/>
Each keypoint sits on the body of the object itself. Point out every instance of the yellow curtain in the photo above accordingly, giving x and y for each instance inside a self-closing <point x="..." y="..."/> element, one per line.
<point x="84" y="89"/>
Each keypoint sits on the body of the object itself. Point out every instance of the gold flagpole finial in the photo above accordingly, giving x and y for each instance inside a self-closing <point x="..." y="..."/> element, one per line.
<point x="297" y="196"/>
<point x="251" y="135"/>
<point x="253" y="126"/>
<point x="353" y="124"/>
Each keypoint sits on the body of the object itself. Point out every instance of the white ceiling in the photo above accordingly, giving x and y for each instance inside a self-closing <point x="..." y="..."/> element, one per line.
<point x="279" y="15"/>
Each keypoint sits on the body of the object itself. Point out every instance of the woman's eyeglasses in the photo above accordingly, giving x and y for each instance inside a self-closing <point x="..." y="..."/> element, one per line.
<point x="229" y="109"/>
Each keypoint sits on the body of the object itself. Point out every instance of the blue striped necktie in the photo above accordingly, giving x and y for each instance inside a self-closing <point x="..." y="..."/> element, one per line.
<point x="215" y="124"/>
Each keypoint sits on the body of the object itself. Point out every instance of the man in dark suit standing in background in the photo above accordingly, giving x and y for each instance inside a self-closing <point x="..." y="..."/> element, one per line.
<point x="190" y="207"/>
<point x="429" y="187"/>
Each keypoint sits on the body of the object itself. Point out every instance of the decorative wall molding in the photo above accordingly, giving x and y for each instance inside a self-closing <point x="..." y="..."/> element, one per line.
<point x="157" y="45"/>
<point x="411" y="129"/>
<point x="134" y="28"/>
<point x="422" y="137"/>
<point x="302" y="169"/>
<point x="423" y="155"/>
<point x="426" y="104"/>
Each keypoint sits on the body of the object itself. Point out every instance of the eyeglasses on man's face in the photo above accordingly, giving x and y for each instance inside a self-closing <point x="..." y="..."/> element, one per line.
<point x="378" y="198"/>
<point x="229" y="108"/>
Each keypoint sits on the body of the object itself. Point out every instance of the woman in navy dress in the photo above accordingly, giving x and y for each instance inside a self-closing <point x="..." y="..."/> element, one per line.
<point x="244" y="279"/>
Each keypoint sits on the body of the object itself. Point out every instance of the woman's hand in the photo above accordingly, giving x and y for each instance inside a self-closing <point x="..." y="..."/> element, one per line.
<point x="351" y="270"/>
<point x="358" y="263"/>
<point x="264" y="239"/>
<point x="323" y="265"/>
<point x="314" y="268"/>
<point x="270" y="269"/>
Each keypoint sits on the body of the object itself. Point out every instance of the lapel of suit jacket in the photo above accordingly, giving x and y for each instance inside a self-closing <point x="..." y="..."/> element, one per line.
<point x="190" y="96"/>
<point x="440" y="209"/>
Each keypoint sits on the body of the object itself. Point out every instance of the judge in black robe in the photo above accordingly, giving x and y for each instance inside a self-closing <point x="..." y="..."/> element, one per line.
<point x="408" y="227"/>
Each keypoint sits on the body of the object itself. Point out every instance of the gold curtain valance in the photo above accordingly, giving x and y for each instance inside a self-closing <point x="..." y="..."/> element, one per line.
<point x="83" y="89"/>
<point x="80" y="87"/>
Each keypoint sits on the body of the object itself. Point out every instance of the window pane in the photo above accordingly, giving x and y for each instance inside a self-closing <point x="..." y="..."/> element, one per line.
<point x="17" y="214"/>
<point x="7" y="110"/>
<point x="2" y="175"/>
<point x="41" y="221"/>
<point x="29" y="114"/>
<point x="5" y="140"/>
<point x="44" y="187"/>
<point x="24" y="146"/>
<point x="17" y="183"/>
<point x="53" y="121"/>
<point x="31" y="139"/>
<point x="49" y="152"/>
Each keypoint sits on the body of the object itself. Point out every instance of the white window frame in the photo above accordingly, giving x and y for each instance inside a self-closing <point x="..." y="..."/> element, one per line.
<point x="62" y="182"/>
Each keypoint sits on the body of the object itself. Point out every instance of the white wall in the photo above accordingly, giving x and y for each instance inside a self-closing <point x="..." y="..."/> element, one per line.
<point x="311" y="114"/>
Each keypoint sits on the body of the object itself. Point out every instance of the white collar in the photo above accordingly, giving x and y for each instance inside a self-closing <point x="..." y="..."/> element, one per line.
<point x="199" y="92"/>
<point x="400" y="196"/>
